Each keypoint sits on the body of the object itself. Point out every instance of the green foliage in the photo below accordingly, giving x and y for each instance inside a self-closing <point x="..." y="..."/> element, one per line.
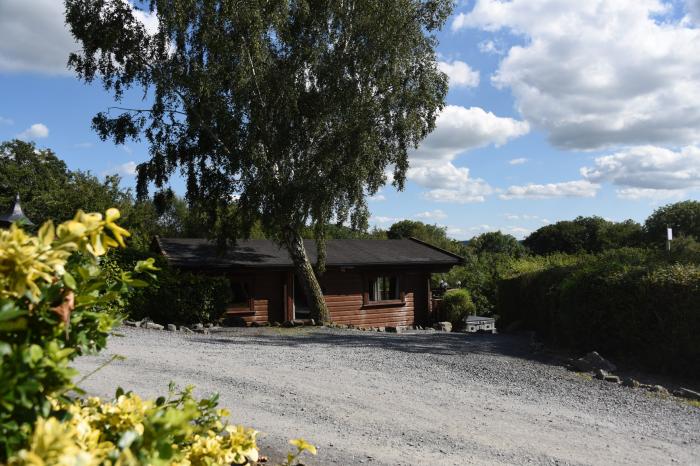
<point x="480" y="276"/>
<point x="54" y="290"/>
<point x="433" y="234"/>
<point x="455" y="306"/>
<point x="182" y="298"/>
<point x="628" y="302"/>
<point x="48" y="190"/>
<point x="584" y="234"/>
<point x="497" y="243"/>
<point x="52" y="297"/>
<point x="683" y="217"/>
<point x="298" y="107"/>
<point x="173" y="430"/>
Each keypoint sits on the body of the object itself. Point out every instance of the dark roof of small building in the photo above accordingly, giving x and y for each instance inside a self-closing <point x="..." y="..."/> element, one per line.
<point x="15" y="215"/>
<point x="256" y="253"/>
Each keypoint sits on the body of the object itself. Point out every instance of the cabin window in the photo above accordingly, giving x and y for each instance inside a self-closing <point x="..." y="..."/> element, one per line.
<point x="383" y="288"/>
<point x="241" y="299"/>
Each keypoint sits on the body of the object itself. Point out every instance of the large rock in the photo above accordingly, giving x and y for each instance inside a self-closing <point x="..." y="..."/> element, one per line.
<point x="593" y="361"/>
<point x="661" y="390"/>
<point x="152" y="326"/>
<point x="630" y="382"/>
<point x="186" y="329"/>
<point x="172" y="327"/>
<point x="132" y="323"/>
<point x="443" y="326"/>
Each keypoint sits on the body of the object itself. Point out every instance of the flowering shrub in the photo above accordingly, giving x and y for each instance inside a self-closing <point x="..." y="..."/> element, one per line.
<point x="178" y="430"/>
<point x="56" y="303"/>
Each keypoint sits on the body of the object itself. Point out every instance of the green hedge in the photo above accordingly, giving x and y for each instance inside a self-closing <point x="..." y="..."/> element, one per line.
<point x="625" y="303"/>
<point x="175" y="297"/>
<point x="182" y="298"/>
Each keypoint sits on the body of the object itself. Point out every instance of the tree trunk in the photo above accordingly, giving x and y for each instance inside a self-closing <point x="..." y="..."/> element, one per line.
<point x="305" y="272"/>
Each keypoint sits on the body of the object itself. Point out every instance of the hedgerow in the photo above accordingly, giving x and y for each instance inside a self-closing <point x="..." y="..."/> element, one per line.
<point x="630" y="303"/>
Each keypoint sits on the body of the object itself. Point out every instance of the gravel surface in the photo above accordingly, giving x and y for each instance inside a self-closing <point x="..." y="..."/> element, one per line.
<point x="407" y="399"/>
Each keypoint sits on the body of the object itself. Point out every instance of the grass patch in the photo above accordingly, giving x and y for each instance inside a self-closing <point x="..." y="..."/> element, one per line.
<point x="694" y="403"/>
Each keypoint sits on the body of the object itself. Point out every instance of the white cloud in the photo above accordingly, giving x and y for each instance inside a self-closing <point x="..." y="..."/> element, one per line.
<point x="522" y="217"/>
<point x="149" y="20"/>
<point x="635" y="194"/>
<point x="518" y="161"/>
<point x="580" y="188"/>
<point x="648" y="171"/>
<point x="599" y="73"/>
<point x="459" y="129"/>
<point x="377" y="198"/>
<point x="432" y="215"/>
<point x="384" y="220"/>
<point x="36" y="131"/>
<point x="6" y="121"/>
<point x="459" y="73"/>
<point x="34" y="37"/>
<point x="489" y="47"/>
<point x="448" y="183"/>
<point x="125" y="169"/>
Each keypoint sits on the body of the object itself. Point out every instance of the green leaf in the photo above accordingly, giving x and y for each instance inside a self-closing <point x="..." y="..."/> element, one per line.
<point x="9" y="311"/>
<point x="69" y="281"/>
<point x="35" y="352"/>
<point x="14" y="325"/>
<point x="136" y="283"/>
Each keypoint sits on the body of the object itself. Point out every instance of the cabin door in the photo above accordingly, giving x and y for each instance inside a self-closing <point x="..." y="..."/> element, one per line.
<point x="301" y="304"/>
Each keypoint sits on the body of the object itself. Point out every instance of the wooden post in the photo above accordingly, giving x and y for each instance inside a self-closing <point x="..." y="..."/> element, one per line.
<point x="289" y="297"/>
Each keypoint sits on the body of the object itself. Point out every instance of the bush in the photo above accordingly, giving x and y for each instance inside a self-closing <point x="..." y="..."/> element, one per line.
<point x="629" y="303"/>
<point x="182" y="298"/>
<point x="455" y="306"/>
<point x="57" y="303"/>
<point x="53" y="298"/>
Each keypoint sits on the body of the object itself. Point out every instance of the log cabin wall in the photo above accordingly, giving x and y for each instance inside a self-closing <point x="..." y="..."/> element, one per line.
<point x="267" y="293"/>
<point x="344" y="295"/>
<point x="343" y="292"/>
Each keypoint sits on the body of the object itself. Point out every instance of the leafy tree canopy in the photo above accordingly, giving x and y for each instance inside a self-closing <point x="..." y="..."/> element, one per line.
<point x="584" y="234"/>
<point x="496" y="242"/>
<point x="432" y="234"/>
<point x="48" y="190"/>
<point x="683" y="217"/>
<point x="295" y="108"/>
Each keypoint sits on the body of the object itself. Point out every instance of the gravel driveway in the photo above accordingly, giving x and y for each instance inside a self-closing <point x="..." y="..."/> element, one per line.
<point x="407" y="399"/>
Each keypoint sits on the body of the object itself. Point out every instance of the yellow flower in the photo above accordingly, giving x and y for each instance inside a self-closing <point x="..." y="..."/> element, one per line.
<point x="27" y="262"/>
<point x="303" y="445"/>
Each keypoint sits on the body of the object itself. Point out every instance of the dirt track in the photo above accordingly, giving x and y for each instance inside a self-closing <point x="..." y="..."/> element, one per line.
<point x="428" y="398"/>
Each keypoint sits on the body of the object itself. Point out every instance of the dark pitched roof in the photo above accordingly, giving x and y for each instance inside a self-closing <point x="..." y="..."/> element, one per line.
<point x="200" y="253"/>
<point x="15" y="215"/>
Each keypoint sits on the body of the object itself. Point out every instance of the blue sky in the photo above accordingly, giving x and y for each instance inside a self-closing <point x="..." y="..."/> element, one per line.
<point x="557" y="108"/>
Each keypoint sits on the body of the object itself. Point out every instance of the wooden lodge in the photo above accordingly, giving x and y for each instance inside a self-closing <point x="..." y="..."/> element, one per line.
<point x="367" y="283"/>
